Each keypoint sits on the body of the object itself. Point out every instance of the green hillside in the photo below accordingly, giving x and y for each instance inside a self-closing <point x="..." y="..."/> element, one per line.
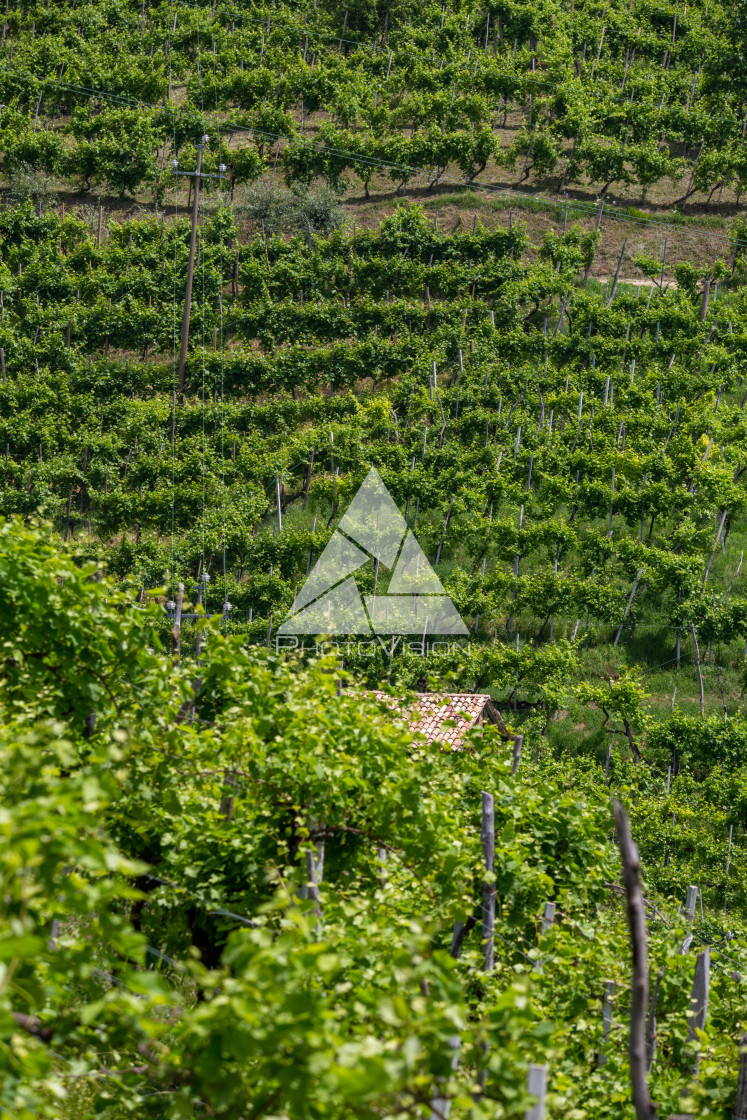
<point x="499" y="255"/>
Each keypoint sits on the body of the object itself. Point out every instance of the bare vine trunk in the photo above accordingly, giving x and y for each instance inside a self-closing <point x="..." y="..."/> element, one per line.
<point x="645" y="1109"/>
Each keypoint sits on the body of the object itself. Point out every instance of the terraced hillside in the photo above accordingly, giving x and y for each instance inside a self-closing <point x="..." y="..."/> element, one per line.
<point x="498" y="254"/>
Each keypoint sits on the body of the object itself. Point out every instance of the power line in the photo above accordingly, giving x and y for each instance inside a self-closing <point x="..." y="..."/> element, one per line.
<point x="524" y="77"/>
<point x="461" y="184"/>
<point x="472" y="184"/>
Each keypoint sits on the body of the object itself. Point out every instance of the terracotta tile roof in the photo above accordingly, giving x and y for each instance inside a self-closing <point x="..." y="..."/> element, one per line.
<point x="428" y="711"/>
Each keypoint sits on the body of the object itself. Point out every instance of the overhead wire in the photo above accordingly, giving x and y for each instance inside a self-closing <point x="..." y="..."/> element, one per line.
<point x="277" y="136"/>
<point x="472" y="184"/>
<point x="526" y="78"/>
<point x="689" y="230"/>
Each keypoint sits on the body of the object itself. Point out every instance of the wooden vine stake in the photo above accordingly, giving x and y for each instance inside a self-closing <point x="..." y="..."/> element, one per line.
<point x="699" y="1003"/>
<point x="645" y="1109"/>
<point x="607" y="1001"/>
<point x="314" y="869"/>
<point x="441" y="1106"/>
<point x="728" y="857"/>
<point x="691" y="902"/>
<point x="740" y="1106"/>
<point x="597" y="224"/>
<point x="699" y="670"/>
<point x="536" y="1085"/>
<point x="226" y="802"/>
<point x="67" y="512"/>
<point x="487" y="836"/>
<point x="613" y="289"/>
<point x="716" y="543"/>
<point x="628" y="606"/>
<point x="548" y="920"/>
<point x="176" y="632"/>
<point x="313" y="872"/>
<point x="518" y="744"/>
<point x="651" y="1022"/>
<point x="278" y="502"/>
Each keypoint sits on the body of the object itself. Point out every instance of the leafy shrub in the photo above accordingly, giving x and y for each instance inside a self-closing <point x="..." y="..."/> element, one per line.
<point x="699" y="744"/>
<point x="25" y="183"/>
<point x="319" y="210"/>
<point x="270" y="203"/>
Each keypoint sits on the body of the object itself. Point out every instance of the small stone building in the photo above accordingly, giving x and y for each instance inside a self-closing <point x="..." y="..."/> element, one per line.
<point x="428" y="711"/>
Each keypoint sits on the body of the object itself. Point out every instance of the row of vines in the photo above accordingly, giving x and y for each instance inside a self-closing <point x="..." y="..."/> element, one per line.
<point x="635" y="95"/>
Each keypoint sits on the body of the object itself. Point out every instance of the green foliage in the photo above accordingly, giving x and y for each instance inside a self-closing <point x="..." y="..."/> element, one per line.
<point x="100" y="96"/>
<point x="697" y="744"/>
<point x="355" y="1006"/>
<point x="164" y="952"/>
<point x="274" y="207"/>
<point x="317" y="211"/>
<point x="72" y="988"/>
<point x="115" y="147"/>
<point x="69" y="653"/>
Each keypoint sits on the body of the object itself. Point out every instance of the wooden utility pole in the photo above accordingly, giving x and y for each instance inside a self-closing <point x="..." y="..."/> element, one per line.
<point x="190" y="272"/>
<point x="197" y="174"/>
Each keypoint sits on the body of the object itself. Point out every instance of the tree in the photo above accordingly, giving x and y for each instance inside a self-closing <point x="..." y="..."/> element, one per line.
<point x="244" y="166"/>
<point x="114" y="146"/>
